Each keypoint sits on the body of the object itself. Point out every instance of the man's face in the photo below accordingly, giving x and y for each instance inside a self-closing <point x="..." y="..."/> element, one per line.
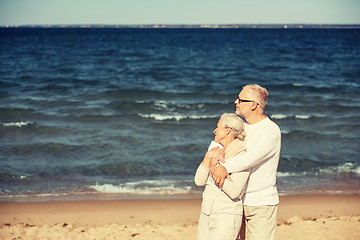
<point x="243" y="107"/>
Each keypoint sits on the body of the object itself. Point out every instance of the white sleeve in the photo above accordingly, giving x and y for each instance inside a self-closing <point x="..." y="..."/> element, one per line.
<point x="235" y="188"/>
<point x="201" y="175"/>
<point x="214" y="144"/>
<point x="268" y="144"/>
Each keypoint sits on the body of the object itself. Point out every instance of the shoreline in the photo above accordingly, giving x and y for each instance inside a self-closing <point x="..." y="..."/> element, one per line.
<point x="100" y="196"/>
<point x="325" y="215"/>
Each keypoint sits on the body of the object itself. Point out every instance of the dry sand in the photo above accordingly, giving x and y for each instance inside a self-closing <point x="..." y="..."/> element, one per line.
<point x="300" y="217"/>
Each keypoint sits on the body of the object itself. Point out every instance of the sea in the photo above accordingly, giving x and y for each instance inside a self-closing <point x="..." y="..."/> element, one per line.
<point x="128" y="113"/>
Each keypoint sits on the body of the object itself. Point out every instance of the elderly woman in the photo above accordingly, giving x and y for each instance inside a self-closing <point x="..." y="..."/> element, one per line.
<point x="221" y="208"/>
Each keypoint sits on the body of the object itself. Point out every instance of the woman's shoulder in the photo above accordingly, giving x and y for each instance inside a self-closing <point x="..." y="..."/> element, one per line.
<point x="214" y="144"/>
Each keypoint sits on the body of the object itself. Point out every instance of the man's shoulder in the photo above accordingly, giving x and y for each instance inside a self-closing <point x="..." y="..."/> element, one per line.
<point x="267" y="123"/>
<point x="273" y="127"/>
<point x="266" y="127"/>
<point x="272" y="123"/>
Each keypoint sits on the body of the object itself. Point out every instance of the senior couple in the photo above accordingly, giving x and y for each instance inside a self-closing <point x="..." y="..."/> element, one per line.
<point x="239" y="173"/>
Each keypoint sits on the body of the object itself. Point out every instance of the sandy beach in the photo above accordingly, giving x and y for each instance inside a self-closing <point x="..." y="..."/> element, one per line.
<point x="300" y="217"/>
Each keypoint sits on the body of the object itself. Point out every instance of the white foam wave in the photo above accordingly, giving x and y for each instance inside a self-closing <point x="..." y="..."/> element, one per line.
<point x="297" y="116"/>
<point x="147" y="187"/>
<point x="17" y="124"/>
<point x="177" y="117"/>
<point x="279" y="116"/>
<point x="167" y="106"/>
<point x="347" y="167"/>
<point x="290" y="174"/>
<point x="161" y="104"/>
<point x="302" y="116"/>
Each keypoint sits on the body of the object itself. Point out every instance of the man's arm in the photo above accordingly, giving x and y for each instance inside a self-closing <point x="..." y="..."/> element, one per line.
<point x="267" y="145"/>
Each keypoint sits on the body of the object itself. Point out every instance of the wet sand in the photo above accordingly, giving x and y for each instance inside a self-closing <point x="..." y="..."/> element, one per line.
<point x="300" y="217"/>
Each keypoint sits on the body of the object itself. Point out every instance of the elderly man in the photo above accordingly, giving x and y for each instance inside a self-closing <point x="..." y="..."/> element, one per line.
<point x="263" y="142"/>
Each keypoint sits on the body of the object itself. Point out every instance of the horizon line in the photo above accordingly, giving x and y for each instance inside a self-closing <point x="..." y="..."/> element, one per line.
<point x="291" y="25"/>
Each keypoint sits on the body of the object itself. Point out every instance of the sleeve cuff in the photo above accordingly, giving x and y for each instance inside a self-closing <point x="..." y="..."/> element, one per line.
<point x="226" y="166"/>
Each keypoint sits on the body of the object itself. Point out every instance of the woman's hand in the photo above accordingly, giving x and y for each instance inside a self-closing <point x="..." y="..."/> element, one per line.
<point x="214" y="162"/>
<point x="216" y="154"/>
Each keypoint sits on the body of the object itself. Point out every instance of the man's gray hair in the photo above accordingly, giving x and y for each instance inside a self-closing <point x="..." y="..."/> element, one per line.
<point x="236" y="124"/>
<point x="260" y="93"/>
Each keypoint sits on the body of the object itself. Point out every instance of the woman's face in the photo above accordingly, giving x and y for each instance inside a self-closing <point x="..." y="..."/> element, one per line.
<point x="221" y="132"/>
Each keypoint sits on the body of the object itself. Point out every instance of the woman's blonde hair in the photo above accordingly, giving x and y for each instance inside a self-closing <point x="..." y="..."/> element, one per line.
<point x="236" y="124"/>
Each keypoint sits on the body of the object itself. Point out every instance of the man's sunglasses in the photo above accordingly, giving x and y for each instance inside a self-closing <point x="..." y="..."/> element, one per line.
<point x="244" y="100"/>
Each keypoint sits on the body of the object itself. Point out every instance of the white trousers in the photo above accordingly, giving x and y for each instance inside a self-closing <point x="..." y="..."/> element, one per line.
<point x="219" y="226"/>
<point x="260" y="222"/>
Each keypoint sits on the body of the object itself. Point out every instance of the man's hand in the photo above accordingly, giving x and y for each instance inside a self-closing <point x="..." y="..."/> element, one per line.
<point x="220" y="174"/>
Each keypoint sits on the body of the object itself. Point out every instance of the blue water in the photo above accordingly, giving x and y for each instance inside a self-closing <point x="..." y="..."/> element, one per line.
<point x="130" y="112"/>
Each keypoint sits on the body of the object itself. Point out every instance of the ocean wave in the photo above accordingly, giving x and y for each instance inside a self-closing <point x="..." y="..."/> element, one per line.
<point x="166" y="105"/>
<point x="146" y="187"/>
<point x="176" y="106"/>
<point x="345" y="168"/>
<point x="280" y="116"/>
<point x="177" y="117"/>
<point x="290" y="174"/>
<point x="285" y="131"/>
<point x="18" y="124"/>
<point x="296" y="116"/>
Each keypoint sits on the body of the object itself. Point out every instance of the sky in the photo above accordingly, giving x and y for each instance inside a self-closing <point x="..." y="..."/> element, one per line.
<point x="118" y="12"/>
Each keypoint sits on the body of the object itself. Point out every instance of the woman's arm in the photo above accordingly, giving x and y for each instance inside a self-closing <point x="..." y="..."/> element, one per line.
<point x="203" y="171"/>
<point x="201" y="175"/>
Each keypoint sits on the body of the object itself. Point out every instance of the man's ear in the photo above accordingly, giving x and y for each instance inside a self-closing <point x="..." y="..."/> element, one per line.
<point x="254" y="105"/>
